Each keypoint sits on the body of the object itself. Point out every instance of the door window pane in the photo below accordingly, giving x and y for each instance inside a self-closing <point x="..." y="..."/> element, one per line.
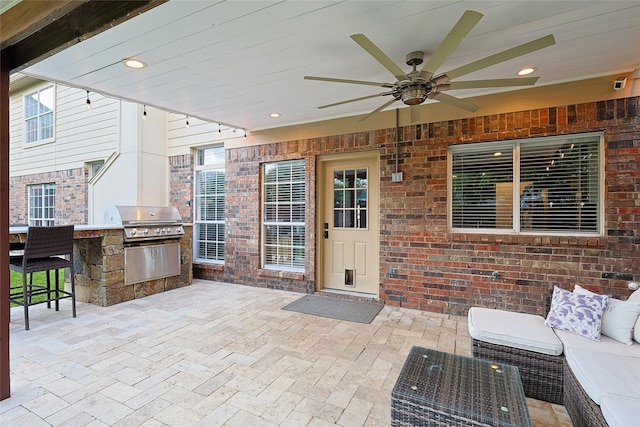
<point x="350" y="196"/>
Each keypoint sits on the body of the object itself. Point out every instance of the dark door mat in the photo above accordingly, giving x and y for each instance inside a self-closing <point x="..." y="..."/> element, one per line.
<point x="335" y="308"/>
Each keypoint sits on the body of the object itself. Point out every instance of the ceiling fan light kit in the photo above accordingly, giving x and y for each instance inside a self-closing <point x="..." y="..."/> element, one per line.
<point x="417" y="86"/>
<point x="414" y="94"/>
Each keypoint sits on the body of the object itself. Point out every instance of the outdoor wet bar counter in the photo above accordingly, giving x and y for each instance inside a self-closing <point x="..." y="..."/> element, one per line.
<point x="109" y="269"/>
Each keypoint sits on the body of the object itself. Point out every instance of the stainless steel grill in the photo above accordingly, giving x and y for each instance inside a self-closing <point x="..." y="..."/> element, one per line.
<point x="146" y="222"/>
<point x="151" y="250"/>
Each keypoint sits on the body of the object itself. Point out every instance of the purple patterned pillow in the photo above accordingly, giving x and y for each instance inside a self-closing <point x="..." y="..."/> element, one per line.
<point x="580" y="314"/>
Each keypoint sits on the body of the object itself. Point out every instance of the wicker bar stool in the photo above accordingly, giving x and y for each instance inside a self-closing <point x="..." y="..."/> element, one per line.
<point x="45" y="249"/>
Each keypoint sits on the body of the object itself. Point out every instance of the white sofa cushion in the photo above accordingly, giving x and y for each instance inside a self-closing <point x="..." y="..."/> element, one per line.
<point x="600" y="373"/>
<point x="518" y="330"/>
<point x="635" y="297"/>
<point x="606" y="345"/>
<point x="620" y="411"/>
<point x="618" y="318"/>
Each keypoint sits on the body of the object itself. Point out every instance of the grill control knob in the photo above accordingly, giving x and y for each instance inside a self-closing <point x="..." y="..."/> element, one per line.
<point x="132" y="232"/>
<point x="157" y="231"/>
<point x="145" y="231"/>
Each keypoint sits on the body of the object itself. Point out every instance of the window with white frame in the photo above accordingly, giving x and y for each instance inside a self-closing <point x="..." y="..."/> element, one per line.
<point x="545" y="185"/>
<point x="209" y="195"/>
<point x="94" y="167"/>
<point x="42" y="204"/>
<point x="283" y="211"/>
<point x="39" y="115"/>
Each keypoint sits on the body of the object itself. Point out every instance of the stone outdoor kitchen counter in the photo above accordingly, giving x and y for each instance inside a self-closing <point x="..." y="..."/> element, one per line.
<point x="99" y="264"/>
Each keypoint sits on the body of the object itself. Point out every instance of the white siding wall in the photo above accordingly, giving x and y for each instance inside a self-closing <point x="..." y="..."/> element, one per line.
<point x="199" y="134"/>
<point x="154" y="162"/>
<point x="80" y="135"/>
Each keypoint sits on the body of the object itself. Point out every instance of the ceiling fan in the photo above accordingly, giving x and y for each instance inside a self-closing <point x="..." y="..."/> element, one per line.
<point x="415" y="87"/>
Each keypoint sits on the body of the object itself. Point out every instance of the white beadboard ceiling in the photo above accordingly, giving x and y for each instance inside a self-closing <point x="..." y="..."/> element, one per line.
<point x="236" y="62"/>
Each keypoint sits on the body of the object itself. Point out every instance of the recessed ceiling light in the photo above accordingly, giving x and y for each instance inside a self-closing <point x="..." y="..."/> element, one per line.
<point x="134" y="63"/>
<point x="497" y="154"/>
<point x="274" y="115"/>
<point x="526" y="71"/>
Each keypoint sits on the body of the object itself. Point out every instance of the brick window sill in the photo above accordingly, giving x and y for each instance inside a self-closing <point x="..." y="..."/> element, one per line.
<point x="209" y="266"/>
<point x="294" y="275"/>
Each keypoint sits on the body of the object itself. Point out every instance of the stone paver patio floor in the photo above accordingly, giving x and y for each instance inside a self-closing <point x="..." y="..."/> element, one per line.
<point x="218" y="354"/>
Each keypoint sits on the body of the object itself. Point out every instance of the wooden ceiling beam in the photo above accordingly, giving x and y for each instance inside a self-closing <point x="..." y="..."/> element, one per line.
<point x="41" y="34"/>
<point x="28" y="17"/>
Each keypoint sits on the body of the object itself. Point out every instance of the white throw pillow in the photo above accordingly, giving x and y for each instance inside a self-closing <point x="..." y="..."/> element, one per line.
<point x="619" y="317"/>
<point x="635" y="297"/>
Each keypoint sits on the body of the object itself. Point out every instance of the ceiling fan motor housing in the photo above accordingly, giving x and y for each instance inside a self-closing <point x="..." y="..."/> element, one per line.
<point x="415" y="93"/>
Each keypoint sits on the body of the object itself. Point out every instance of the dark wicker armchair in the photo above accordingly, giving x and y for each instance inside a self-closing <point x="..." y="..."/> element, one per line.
<point x="45" y="249"/>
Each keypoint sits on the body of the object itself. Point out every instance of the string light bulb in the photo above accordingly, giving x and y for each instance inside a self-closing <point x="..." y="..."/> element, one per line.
<point x="88" y="102"/>
<point x="245" y="133"/>
<point x="144" y="112"/>
<point x="219" y="128"/>
<point x="186" y="124"/>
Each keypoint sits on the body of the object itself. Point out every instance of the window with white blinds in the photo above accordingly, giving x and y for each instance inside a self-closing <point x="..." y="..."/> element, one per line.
<point x="543" y="185"/>
<point x="209" y="189"/>
<point x="283" y="215"/>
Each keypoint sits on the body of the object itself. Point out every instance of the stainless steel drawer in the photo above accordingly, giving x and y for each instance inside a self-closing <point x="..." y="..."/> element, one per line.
<point x="142" y="263"/>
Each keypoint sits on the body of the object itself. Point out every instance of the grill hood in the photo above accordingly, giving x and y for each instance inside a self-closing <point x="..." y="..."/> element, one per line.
<point x="142" y="215"/>
<point x="146" y="222"/>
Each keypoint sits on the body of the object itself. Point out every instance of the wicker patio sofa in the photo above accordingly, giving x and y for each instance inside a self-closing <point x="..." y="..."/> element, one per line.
<point x="597" y="381"/>
<point x="521" y="340"/>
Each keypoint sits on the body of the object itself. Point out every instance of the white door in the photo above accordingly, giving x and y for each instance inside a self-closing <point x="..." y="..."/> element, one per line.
<point x="349" y="223"/>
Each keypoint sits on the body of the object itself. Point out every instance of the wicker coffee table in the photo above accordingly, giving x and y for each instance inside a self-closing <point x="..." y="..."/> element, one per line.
<point x="442" y="389"/>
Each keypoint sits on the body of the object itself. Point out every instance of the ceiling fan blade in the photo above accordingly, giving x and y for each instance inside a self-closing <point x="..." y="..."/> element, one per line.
<point x="475" y="84"/>
<point x="459" y="31"/>
<point x="452" y="100"/>
<point x="356" y="82"/>
<point x="380" y="108"/>
<point x="379" y="56"/>
<point x="355" y="99"/>
<point x="514" y="52"/>
<point x="415" y="113"/>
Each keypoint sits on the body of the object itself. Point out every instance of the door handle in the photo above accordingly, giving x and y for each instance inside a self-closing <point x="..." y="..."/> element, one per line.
<point x="326" y="230"/>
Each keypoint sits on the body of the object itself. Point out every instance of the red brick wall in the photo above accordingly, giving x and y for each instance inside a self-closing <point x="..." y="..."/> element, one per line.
<point x="447" y="272"/>
<point x="181" y="185"/>
<point x="71" y="195"/>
